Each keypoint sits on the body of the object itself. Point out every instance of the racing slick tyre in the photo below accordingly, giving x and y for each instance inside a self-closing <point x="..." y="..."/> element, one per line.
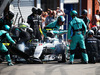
<point x="32" y="60"/>
<point x="60" y="52"/>
<point x="61" y="58"/>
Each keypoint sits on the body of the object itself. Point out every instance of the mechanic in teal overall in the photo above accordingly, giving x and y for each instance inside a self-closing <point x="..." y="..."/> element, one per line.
<point x="5" y="35"/>
<point x="78" y="27"/>
<point x="54" y="25"/>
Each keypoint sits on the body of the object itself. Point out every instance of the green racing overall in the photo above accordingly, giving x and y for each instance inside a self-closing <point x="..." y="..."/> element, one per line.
<point x="78" y="27"/>
<point x="5" y="35"/>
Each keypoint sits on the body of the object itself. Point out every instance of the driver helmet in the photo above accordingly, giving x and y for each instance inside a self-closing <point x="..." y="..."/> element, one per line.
<point x="24" y="25"/>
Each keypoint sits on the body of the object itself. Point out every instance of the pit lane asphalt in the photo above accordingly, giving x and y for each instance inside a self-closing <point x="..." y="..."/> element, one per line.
<point x="2" y="66"/>
<point x="50" y="68"/>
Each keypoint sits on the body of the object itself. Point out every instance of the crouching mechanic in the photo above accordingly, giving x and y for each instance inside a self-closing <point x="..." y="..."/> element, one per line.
<point x="77" y="25"/>
<point x="54" y="25"/>
<point x="5" y="35"/>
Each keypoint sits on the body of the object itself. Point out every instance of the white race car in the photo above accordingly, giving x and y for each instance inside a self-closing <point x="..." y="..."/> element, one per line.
<point x="53" y="48"/>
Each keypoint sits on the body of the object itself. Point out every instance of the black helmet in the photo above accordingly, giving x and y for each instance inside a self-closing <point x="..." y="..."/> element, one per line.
<point x="98" y="32"/>
<point x="90" y="32"/>
<point x="84" y="12"/>
<point x="34" y="10"/>
<point x="39" y="11"/>
<point x="30" y="30"/>
<point x="94" y="29"/>
<point x="10" y="14"/>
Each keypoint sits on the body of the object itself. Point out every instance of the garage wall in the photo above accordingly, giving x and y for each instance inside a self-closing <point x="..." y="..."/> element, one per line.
<point x="25" y="7"/>
<point x="89" y="9"/>
<point x="96" y="5"/>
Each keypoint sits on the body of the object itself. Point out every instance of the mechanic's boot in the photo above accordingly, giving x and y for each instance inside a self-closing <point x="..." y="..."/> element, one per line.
<point x="70" y="62"/>
<point x="10" y="64"/>
<point x="86" y="62"/>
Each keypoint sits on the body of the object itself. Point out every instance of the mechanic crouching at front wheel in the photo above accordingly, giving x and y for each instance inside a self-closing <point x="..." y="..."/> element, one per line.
<point x="79" y="30"/>
<point x="5" y="35"/>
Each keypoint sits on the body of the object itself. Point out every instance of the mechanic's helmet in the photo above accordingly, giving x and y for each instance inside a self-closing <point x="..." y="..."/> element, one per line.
<point x="24" y="25"/>
<point x="39" y="11"/>
<point x="94" y="29"/>
<point x="90" y="32"/>
<point x="61" y="18"/>
<point x="10" y="14"/>
<point x="6" y="27"/>
<point x="34" y="10"/>
<point x="84" y="12"/>
<point x="98" y="32"/>
<point x="73" y="13"/>
<point x="30" y="30"/>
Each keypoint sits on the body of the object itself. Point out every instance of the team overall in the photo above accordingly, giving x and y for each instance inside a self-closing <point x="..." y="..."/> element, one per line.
<point x="79" y="30"/>
<point x="5" y="35"/>
<point x="53" y="25"/>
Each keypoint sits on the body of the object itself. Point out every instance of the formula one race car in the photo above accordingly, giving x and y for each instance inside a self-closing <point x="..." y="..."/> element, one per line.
<point x="24" y="53"/>
<point x="53" y="48"/>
